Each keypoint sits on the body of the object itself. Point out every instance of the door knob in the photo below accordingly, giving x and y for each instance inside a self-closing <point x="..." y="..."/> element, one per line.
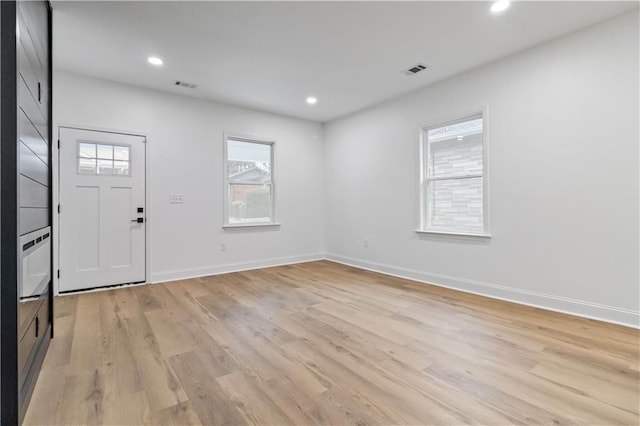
<point x="138" y="220"/>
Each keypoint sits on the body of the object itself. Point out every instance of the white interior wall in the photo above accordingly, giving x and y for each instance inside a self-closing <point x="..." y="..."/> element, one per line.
<point x="185" y="156"/>
<point x="563" y="141"/>
<point x="563" y="168"/>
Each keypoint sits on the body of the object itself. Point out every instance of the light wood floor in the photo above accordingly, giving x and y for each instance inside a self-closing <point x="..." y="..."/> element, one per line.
<point x="322" y="343"/>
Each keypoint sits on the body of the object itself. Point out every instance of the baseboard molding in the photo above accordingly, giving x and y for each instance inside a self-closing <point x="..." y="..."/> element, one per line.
<point x="565" y="305"/>
<point x="184" y="274"/>
<point x="611" y="314"/>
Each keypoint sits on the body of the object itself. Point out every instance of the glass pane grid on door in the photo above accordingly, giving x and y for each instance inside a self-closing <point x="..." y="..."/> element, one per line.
<point x="103" y="159"/>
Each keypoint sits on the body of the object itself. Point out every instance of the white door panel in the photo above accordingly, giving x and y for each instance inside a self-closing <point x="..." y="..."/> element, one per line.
<point x="120" y="227"/>
<point x="102" y="188"/>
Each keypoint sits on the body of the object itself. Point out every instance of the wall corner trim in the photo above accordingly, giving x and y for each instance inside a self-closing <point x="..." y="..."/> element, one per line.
<point x="610" y="314"/>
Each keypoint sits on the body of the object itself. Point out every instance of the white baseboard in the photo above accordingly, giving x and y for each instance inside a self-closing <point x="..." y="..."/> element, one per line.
<point x="565" y="305"/>
<point x="184" y="274"/>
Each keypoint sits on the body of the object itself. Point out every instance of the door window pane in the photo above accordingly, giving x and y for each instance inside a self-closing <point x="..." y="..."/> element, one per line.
<point x="121" y="153"/>
<point x="121" y="168"/>
<point x="87" y="166"/>
<point x="87" y="150"/>
<point x="105" y="152"/>
<point x="103" y="159"/>
<point x="105" y="167"/>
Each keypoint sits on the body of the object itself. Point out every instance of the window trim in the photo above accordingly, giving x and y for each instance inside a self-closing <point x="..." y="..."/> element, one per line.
<point x="423" y="164"/>
<point x="225" y="179"/>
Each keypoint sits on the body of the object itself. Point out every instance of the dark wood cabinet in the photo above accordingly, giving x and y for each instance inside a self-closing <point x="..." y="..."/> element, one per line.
<point x="26" y="302"/>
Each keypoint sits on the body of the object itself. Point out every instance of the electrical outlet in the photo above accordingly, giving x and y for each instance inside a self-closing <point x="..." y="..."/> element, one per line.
<point x="176" y="199"/>
<point x="223" y="246"/>
<point x="365" y="243"/>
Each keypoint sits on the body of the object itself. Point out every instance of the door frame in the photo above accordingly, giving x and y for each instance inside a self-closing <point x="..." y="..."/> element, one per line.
<point x="56" y="199"/>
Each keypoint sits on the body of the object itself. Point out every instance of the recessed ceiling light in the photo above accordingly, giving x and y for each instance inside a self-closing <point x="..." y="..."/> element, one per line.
<point x="500" y="6"/>
<point x="153" y="60"/>
<point x="312" y="100"/>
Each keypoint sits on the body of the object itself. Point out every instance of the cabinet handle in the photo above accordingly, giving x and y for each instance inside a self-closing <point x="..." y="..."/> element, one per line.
<point x="39" y="92"/>
<point x="37" y="325"/>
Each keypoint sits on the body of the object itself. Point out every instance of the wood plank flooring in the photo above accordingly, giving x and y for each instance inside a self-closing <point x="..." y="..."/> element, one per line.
<point x="322" y="343"/>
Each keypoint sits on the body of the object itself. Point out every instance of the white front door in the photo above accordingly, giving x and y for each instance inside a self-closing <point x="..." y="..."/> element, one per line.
<point x="102" y="209"/>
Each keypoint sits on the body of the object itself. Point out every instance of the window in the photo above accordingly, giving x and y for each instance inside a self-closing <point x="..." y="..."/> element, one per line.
<point x="453" y="181"/>
<point x="250" y="185"/>
<point x="103" y="159"/>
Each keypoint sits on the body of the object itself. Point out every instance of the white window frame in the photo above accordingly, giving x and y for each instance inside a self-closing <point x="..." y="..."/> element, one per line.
<point x="272" y="183"/>
<point x="423" y="213"/>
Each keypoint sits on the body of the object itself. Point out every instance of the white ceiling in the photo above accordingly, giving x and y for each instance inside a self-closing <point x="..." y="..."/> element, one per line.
<point x="272" y="55"/>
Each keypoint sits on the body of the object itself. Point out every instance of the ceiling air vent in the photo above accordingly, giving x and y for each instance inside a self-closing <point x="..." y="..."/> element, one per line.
<point x="185" y="84"/>
<point x="415" y="69"/>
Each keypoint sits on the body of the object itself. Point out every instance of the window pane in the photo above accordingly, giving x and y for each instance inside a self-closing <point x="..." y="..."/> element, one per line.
<point x="248" y="161"/>
<point x="464" y="128"/>
<point x="461" y="155"/>
<point x="455" y="205"/>
<point x="249" y="203"/>
<point x="105" y="167"/>
<point x="121" y="168"/>
<point x="87" y="150"/>
<point x="105" y="152"/>
<point x="121" y="153"/>
<point x="86" y="166"/>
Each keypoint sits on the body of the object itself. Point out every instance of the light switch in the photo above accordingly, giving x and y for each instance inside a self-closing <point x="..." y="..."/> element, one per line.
<point x="176" y="199"/>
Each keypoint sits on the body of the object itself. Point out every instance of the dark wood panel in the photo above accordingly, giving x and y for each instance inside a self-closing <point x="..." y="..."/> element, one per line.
<point x="32" y="110"/>
<point x="34" y="15"/>
<point x="28" y="309"/>
<point x="32" y="219"/>
<point x="33" y="194"/>
<point x="36" y="358"/>
<point x="32" y="333"/>
<point x="9" y="401"/>
<point x="32" y="65"/>
<point x="25" y="347"/>
<point x="27" y="72"/>
<point x="25" y="67"/>
<point x="26" y="38"/>
<point x="32" y="166"/>
<point x="32" y="137"/>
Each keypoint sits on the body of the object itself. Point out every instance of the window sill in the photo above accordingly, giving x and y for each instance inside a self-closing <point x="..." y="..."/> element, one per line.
<point x="451" y="233"/>
<point x="250" y="225"/>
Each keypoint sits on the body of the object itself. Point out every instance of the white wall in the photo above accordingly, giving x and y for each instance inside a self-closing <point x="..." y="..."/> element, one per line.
<point x="563" y="141"/>
<point x="184" y="156"/>
<point x="564" y="182"/>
